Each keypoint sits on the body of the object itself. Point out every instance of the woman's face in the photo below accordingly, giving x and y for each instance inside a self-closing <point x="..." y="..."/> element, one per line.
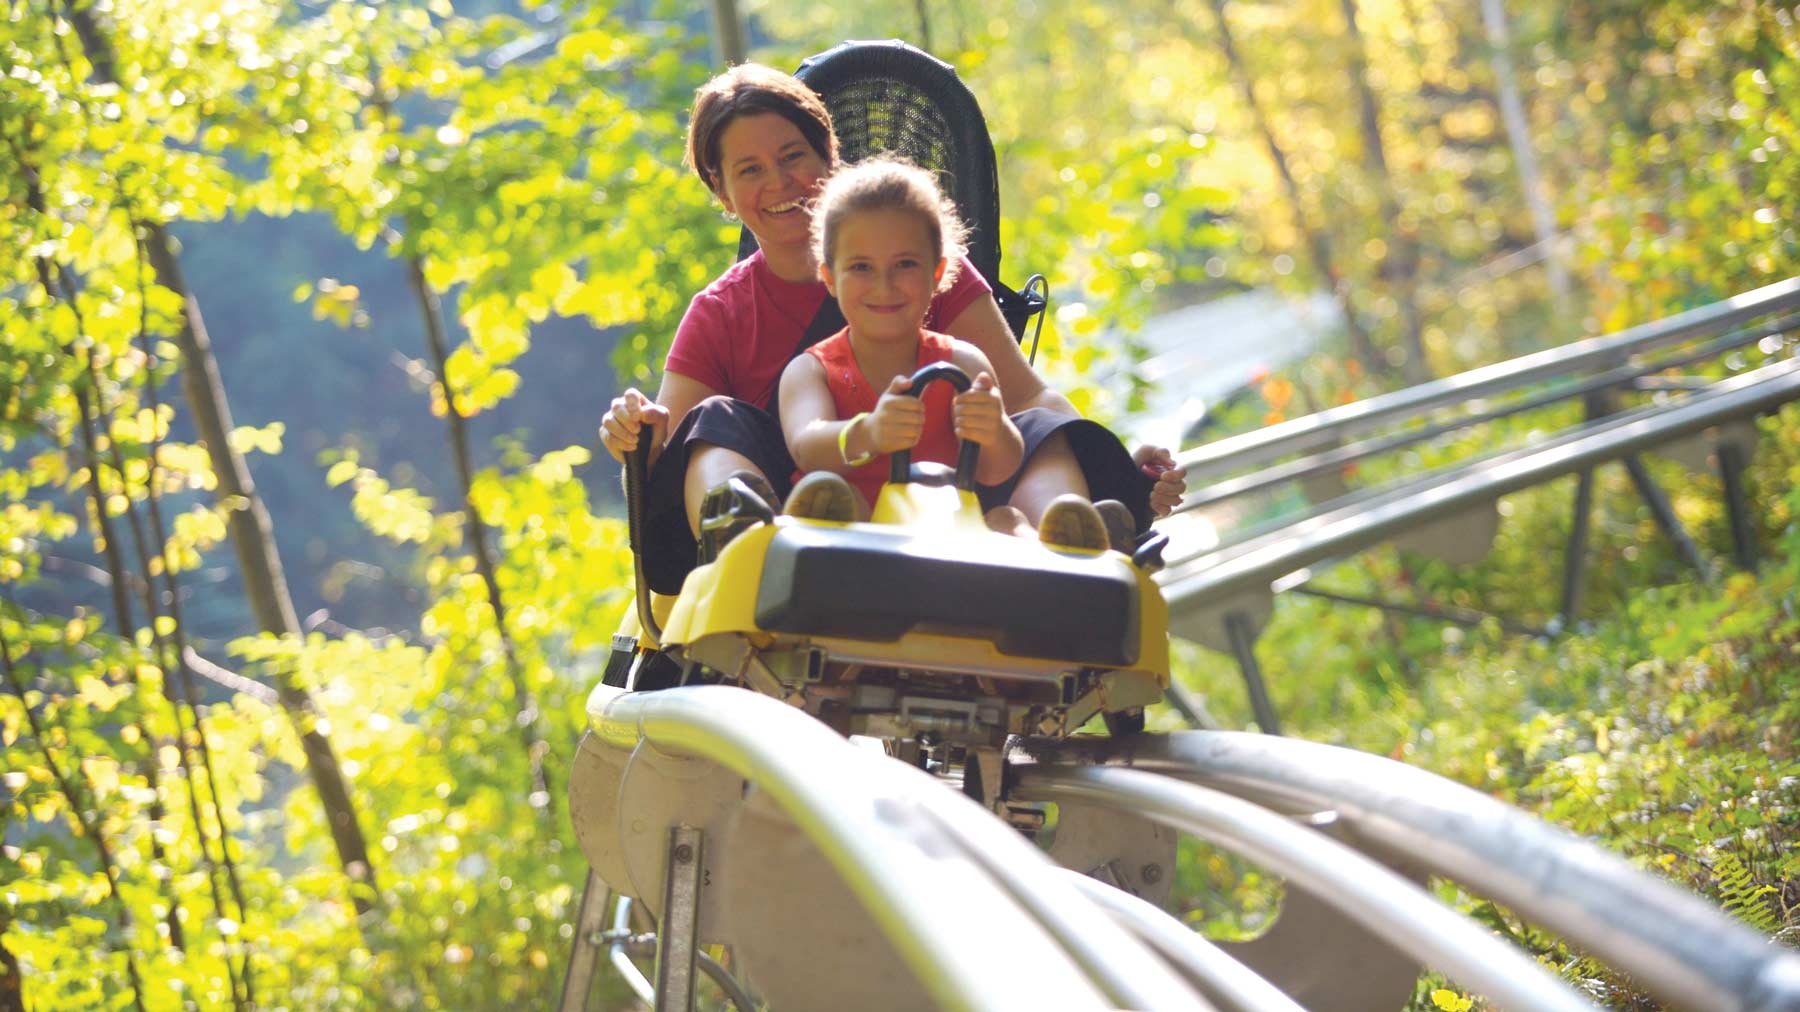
<point x="768" y="177"/>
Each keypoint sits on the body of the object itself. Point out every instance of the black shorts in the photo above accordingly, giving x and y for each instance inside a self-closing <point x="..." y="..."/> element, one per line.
<point x="746" y="429"/>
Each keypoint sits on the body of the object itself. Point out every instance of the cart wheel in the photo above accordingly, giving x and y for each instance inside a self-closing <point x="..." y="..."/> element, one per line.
<point x="1124" y="723"/>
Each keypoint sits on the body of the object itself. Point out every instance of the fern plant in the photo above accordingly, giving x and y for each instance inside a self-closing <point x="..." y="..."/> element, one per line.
<point x="1740" y="894"/>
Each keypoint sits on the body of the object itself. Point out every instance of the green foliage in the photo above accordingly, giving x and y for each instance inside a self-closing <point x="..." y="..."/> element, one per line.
<point x="535" y="185"/>
<point x="473" y="903"/>
<point x="1664" y="729"/>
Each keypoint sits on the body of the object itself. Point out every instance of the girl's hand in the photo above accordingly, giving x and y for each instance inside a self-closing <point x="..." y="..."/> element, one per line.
<point x="625" y="419"/>
<point x="978" y="412"/>
<point x="1171" y="481"/>
<point x="897" y="421"/>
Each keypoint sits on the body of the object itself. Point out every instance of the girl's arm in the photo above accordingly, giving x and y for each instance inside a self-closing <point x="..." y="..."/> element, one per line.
<point x="808" y="416"/>
<point x="980" y="416"/>
<point x="810" y="423"/>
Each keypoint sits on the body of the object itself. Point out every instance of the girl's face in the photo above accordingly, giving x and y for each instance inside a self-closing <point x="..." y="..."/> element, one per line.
<point x="769" y="174"/>
<point x="883" y="271"/>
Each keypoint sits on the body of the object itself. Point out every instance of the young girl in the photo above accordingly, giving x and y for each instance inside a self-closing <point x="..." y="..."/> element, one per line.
<point x="886" y="239"/>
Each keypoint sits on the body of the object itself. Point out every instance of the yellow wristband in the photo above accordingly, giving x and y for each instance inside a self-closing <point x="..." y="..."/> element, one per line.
<point x="844" y="442"/>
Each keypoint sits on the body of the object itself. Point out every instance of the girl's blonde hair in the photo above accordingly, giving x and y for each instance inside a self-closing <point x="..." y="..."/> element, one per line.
<point x="889" y="183"/>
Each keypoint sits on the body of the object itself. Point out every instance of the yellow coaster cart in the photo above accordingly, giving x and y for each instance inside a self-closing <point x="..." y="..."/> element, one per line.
<point x="920" y="628"/>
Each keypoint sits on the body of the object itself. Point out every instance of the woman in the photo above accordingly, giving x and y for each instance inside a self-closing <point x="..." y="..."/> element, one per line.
<point x="761" y="141"/>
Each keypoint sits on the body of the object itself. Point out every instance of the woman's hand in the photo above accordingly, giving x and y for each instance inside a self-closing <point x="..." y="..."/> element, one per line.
<point x="625" y="420"/>
<point x="898" y="419"/>
<point x="978" y="412"/>
<point x="1171" y="481"/>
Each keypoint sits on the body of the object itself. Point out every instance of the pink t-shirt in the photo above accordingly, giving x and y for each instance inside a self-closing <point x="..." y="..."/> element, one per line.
<point x="740" y="332"/>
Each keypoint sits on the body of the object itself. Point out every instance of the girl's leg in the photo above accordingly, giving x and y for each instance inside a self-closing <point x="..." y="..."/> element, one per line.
<point x="708" y="465"/>
<point x="1052" y="471"/>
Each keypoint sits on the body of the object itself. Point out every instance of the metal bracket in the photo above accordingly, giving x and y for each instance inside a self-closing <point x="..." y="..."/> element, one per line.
<point x="678" y="941"/>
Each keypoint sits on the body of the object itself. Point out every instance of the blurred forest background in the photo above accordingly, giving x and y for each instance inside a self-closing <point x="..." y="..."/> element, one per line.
<point x="298" y="740"/>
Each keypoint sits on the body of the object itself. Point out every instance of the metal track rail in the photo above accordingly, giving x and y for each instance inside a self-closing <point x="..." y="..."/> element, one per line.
<point x="1323" y="429"/>
<point x="1680" y="948"/>
<point x="1225" y="980"/>
<point x="1338" y="457"/>
<point x="1220" y="575"/>
<point x="1380" y="899"/>
<point x="903" y="845"/>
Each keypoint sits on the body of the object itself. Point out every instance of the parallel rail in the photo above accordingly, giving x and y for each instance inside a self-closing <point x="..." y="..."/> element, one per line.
<point x="1327" y="428"/>
<point x="986" y="923"/>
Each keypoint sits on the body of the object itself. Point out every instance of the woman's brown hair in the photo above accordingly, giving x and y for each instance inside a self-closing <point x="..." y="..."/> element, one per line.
<point x="749" y="89"/>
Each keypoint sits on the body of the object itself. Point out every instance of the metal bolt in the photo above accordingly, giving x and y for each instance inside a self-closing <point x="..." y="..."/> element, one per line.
<point x="684" y="852"/>
<point x="1151" y="874"/>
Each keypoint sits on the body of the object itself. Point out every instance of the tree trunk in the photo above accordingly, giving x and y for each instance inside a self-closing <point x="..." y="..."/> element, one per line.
<point x="728" y="33"/>
<point x="924" y="25"/>
<point x="253" y="537"/>
<point x="525" y="708"/>
<point x="12" y="978"/>
<point x="1318" y="243"/>
<point x="176" y="641"/>
<point x="248" y="520"/>
<point x="1401" y="266"/>
<point x="1531" y="181"/>
<point x="56" y="284"/>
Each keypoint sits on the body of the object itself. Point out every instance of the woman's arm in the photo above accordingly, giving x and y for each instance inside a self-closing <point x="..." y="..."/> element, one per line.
<point x="982" y="326"/>
<point x="631" y="411"/>
<point x="678" y="395"/>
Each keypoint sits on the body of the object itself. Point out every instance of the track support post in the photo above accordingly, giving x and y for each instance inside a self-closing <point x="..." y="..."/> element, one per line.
<point x="677" y="946"/>
<point x="1575" y="557"/>
<point x="1243" y="647"/>
<point x="1664" y="512"/>
<point x="584" y="955"/>
<point x="1743" y="530"/>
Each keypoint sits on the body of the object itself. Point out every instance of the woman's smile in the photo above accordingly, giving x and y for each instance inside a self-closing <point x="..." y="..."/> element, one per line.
<point x="769" y="176"/>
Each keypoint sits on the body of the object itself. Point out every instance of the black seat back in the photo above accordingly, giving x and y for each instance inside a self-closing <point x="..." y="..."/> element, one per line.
<point x="891" y="97"/>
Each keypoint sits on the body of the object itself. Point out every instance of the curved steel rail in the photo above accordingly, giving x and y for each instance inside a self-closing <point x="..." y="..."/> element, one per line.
<point x="885" y="827"/>
<point x="1223" y="978"/>
<point x="1680" y="948"/>
<point x="1384" y="902"/>
<point x="1063" y="909"/>
<point x="625" y="945"/>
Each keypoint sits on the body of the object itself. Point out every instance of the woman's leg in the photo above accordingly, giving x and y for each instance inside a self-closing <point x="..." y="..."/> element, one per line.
<point x="1052" y="471"/>
<point x="708" y="466"/>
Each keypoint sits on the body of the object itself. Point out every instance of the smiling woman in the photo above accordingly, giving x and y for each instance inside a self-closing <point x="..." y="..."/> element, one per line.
<point x="762" y="142"/>
<point x="771" y="173"/>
